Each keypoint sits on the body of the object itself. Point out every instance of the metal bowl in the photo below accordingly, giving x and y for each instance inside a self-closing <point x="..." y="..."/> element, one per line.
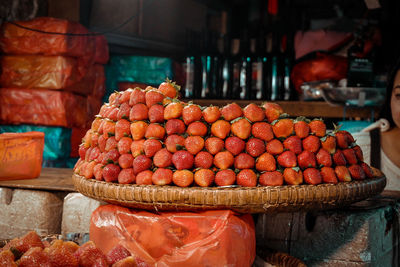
<point x="354" y="96"/>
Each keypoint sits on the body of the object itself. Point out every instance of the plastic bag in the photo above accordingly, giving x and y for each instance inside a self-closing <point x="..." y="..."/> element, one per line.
<point x="209" y="238"/>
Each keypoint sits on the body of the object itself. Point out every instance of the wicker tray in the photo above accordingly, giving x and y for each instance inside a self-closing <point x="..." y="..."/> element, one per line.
<point x="263" y="199"/>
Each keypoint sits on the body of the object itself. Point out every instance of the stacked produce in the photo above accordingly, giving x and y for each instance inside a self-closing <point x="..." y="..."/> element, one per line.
<point x="151" y="137"/>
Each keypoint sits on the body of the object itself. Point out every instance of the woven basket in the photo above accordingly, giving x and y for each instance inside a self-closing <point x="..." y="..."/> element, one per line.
<point x="262" y="199"/>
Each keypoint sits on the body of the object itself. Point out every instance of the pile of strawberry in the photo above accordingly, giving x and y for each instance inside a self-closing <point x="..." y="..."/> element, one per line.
<point x="151" y="137"/>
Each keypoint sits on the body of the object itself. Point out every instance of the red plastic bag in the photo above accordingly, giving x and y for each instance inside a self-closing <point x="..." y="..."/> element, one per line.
<point x="42" y="107"/>
<point x="209" y="238"/>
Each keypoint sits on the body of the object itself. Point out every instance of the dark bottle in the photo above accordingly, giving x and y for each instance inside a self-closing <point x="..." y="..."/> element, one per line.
<point x="275" y="69"/>
<point x="288" y="56"/>
<point x="189" y="66"/>
<point x="227" y="69"/>
<point x="259" y="72"/>
<point x="243" y="68"/>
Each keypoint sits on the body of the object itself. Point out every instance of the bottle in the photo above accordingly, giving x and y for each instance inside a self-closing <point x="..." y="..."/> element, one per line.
<point x="245" y="65"/>
<point x="189" y="66"/>
<point x="227" y="69"/>
<point x="288" y="56"/>
<point x="275" y="69"/>
<point x="260" y="75"/>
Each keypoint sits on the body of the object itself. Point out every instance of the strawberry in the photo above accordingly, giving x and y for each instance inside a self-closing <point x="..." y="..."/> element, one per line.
<point x="117" y="253"/>
<point x="172" y="142"/>
<point x="272" y="111"/>
<point x="144" y="177"/>
<point x="113" y="98"/>
<point x="312" y="176"/>
<point x="182" y="160"/>
<point x="169" y="88"/>
<point x="94" y="139"/>
<point x="153" y="97"/>
<point x="125" y="161"/>
<point x="87" y="155"/>
<point x="235" y="145"/>
<point x="101" y="143"/>
<point x="266" y="162"/>
<point x="324" y="158"/>
<point x="122" y="129"/>
<point x="137" y="147"/>
<point x="111" y="157"/>
<point x="350" y="156"/>
<point x="225" y="177"/>
<point x="151" y="146"/>
<point x="255" y="147"/>
<point x="262" y="130"/>
<point x="174" y="126"/>
<point x="141" y="163"/>
<point x="139" y="112"/>
<point x="342" y="174"/>
<point x="173" y="110"/>
<point x="197" y="128"/>
<point x="162" y="176"/>
<point x="111" y="144"/>
<point x="155" y="130"/>
<point x="359" y="153"/>
<point x="306" y="159"/>
<point x="101" y="157"/>
<point x="138" y="129"/>
<point x="194" y="144"/>
<point x="254" y="113"/>
<point x="203" y="160"/>
<point x="274" y="147"/>
<point x="113" y="114"/>
<point x="223" y="160"/>
<point x="96" y="124"/>
<point x="293" y="143"/>
<point x="126" y="176"/>
<point x="214" y="145"/>
<point x="98" y="172"/>
<point x="338" y="158"/>
<point x="204" y="177"/>
<point x="156" y="113"/>
<point x="287" y="159"/>
<point x="221" y="129"/>
<point x="311" y="143"/>
<point x="273" y="178"/>
<point x="111" y="172"/>
<point x="328" y="175"/>
<point x="82" y="151"/>
<point x="328" y="143"/>
<point x="247" y="178"/>
<point x="137" y="96"/>
<point x="88" y="171"/>
<point x="344" y="139"/>
<point x="282" y="127"/>
<point x="124" y="111"/>
<point x="182" y="178"/>
<point x="211" y="114"/>
<point x="125" y="96"/>
<point x="293" y="176"/>
<point x="317" y="127"/>
<point x="301" y="128"/>
<point x="367" y="170"/>
<point x="244" y="161"/>
<point x="81" y="169"/>
<point x="357" y="172"/>
<point x="162" y="158"/>
<point x="191" y="113"/>
<point x="231" y="111"/>
<point x="241" y="128"/>
<point x="108" y="128"/>
<point x="104" y="110"/>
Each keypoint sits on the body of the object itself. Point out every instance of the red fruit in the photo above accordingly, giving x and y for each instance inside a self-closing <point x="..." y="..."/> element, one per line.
<point x="125" y="96"/>
<point x="357" y="172"/>
<point x="34" y="257"/>
<point x="254" y="113"/>
<point x="24" y="243"/>
<point x="173" y="142"/>
<point x="247" y="178"/>
<point x="144" y="177"/>
<point x="301" y="129"/>
<point x="162" y="176"/>
<point x="203" y="160"/>
<point x="266" y="162"/>
<point x="111" y="157"/>
<point x="359" y="153"/>
<point x="151" y="146"/>
<point x="287" y="159"/>
<point x="273" y="178"/>
<point x="126" y="176"/>
<point x="350" y="156"/>
<point x="116" y="254"/>
<point x="211" y="114"/>
<point x="312" y="176"/>
<point x="153" y="97"/>
<point x="241" y="128"/>
<point x="139" y="112"/>
<point x="87" y="155"/>
<point x="367" y="170"/>
<point x="155" y="130"/>
<point x="125" y="161"/>
<point x="111" y="144"/>
<point x="293" y="176"/>
<point x="169" y="88"/>
<point x="137" y="147"/>
<point x="274" y="147"/>
<point x="98" y="172"/>
<point x="124" y="111"/>
<point x="113" y="114"/>
<point x="191" y="113"/>
<point x="255" y="147"/>
<point x="137" y="96"/>
<point x="182" y="178"/>
<point x="7" y="257"/>
<point x="317" y="127"/>
<point x="138" y="129"/>
<point x="174" y="126"/>
<point x="293" y="143"/>
<point x="338" y="158"/>
<point x="329" y="143"/>
<point x="306" y="159"/>
<point x="223" y="160"/>
<point x="128" y="262"/>
<point x="342" y="174"/>
<point x="108" y="128"/>
<point x="141" y="163"/>
<point x="173" y="110"/>
<point x="111" y="172"/>
<point x="102" y="143"/>
<point x="244" y="161"/>
<point x="328" y="175"/>
<point x="124" y="145"/>
<point x="283" y="128"/>
<point x="156" y="114"/>
<point x="235" y="145"/>
<point x="262" y="130"/>
<point x="225" y="177"/>
<point x="89" y="255"/>
<point x="272" y="111"/>
<point x="221" y="129"/>
<point x="96" y="124"/>
<point x="311" y="143"/>
<point x="94" y="153"/>
<point x="204" y="177"/>
<point x="231" y="111"/>
<point x="105" y="109"/>
<point x="113" y="98"/>
<point x="182" y="160"/>
<point x="344" y="139"/>
<point x="194" y="144"/>
<point x="94" y="139"/>
<point x="162" y="158"/>
<point x="324" y="158"/>
<point x="197" y="128"/>
<point x="88" y="171"/>
<point x="214" y="145"/>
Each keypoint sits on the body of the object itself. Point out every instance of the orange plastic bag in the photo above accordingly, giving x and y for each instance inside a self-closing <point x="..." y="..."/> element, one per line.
<point x="21" y="155"/>
<point x="42" y="107"/>
<point x="93" y="83"/>
<point x="209" y="238"/>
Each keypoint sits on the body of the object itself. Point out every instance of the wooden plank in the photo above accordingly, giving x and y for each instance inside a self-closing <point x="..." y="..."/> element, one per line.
<point x="56" y="179"/>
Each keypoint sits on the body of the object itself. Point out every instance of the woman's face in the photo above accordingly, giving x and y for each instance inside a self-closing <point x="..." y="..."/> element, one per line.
<point x="395" y="100"/>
